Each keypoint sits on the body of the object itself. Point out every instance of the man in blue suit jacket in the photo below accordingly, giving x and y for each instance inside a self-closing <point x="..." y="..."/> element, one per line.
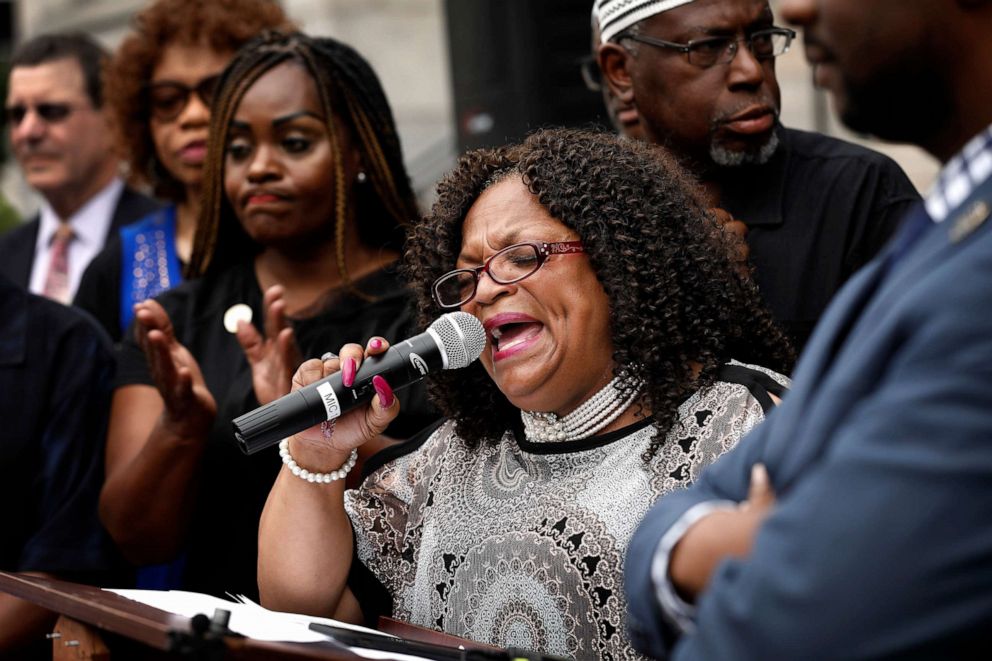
<point x="857" y="521"/>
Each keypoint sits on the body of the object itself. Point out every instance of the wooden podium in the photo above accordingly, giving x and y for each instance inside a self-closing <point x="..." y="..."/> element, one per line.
<point x="100" y="625"/>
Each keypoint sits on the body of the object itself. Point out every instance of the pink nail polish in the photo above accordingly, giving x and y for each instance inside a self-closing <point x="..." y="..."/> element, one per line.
<point x="385" y="393"/>
<point x="348" y="373"/>
<point x="375" y="343"/>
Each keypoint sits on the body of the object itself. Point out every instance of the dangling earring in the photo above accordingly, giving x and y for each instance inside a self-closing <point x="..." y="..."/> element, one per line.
<point x="361" y="177"/>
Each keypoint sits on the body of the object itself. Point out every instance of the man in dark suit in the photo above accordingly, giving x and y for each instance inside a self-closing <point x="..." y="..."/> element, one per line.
<point x="701" y="76"/>
<point x="56" y="372"/>
<point x="855" y="522"/>
<point x="62" y="143"/>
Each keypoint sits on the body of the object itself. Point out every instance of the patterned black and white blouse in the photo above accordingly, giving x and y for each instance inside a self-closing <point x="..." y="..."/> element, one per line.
<point x="521" y="544"/>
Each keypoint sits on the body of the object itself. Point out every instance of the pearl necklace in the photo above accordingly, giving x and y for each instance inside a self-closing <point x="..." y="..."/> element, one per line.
<point x="592" y="415"/>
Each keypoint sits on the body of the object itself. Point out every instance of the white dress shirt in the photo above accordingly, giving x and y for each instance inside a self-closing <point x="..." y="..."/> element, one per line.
<point x="90" y="226"/>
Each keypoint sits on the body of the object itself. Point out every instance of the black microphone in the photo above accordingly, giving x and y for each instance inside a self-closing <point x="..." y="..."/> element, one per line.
<point x="453" y="341"/>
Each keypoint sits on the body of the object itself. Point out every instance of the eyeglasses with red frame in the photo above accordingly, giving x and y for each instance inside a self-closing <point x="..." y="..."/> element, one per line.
<point x="509" y="265"/>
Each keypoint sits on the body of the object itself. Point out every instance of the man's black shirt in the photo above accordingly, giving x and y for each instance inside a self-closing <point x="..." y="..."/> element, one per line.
<point x="816" y="212"/>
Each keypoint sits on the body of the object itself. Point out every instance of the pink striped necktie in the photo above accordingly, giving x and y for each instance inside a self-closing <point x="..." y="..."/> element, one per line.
<point x="57" y="279"/>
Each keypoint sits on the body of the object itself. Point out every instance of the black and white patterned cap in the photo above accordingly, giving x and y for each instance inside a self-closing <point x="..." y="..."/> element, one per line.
<point x="615" y="16"/>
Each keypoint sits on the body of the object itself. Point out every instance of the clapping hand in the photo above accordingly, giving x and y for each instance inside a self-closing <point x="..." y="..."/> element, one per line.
<point x="189" y="407"/>
<point x="273" y="356"/>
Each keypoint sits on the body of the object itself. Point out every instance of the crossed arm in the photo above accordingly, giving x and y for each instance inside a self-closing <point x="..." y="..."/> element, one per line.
<point x="877" y="545"/>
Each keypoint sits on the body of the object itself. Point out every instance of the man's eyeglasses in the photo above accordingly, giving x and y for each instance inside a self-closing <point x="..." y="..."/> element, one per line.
<point x="704" y="53"/>
<point x="168" y="98"/>
<point x="591" y="76"/>
<point x="509" y="265"/>
<point x="51" y="113"/>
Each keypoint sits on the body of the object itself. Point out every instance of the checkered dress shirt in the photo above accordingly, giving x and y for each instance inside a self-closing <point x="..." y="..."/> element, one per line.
<point x="960" y="176"/>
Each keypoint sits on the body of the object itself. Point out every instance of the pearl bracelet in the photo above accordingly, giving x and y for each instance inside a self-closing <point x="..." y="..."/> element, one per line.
<point x="309" y="476"/>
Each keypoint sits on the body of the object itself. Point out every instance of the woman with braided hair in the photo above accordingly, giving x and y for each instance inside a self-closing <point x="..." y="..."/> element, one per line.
<point x="305" y="199"/>
<point x="624" y="352"/>
<point x="159" y="87"/>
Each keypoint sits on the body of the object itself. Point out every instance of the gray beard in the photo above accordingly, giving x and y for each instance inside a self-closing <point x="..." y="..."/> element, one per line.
<point x="732" y="159"/>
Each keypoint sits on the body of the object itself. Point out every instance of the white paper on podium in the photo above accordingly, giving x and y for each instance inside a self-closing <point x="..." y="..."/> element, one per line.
<point x="252" y="620"/>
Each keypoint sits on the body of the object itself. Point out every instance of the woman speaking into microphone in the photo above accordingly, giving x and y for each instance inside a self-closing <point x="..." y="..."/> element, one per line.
<point x="623" y="353"/>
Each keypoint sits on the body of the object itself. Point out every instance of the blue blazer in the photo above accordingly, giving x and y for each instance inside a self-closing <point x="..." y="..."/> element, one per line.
<point x="880" y="544"/>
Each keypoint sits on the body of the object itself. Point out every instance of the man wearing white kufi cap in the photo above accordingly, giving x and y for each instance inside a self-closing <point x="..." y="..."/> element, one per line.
<point x="701" y="74"/>
<point x="616" y="16"/>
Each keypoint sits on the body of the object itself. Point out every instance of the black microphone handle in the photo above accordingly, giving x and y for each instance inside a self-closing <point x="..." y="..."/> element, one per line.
<point x="401" y="365"/>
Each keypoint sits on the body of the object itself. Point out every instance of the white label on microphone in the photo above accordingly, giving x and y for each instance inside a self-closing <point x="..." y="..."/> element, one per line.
<point x="330" y="400"/>
<point x="419" y="363"/>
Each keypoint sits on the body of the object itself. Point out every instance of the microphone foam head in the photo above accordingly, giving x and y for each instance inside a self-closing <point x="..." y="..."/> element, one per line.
<point x="462" y="336"/>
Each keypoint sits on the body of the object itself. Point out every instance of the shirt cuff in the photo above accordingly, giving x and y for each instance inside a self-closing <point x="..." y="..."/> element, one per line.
<point x="676" y="610"/>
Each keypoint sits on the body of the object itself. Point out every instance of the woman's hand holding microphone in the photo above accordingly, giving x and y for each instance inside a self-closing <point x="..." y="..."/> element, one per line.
<point x="328" y="446"/>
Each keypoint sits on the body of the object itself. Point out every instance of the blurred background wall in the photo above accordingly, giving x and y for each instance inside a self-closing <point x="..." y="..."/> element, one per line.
<point x="459" y="73"/>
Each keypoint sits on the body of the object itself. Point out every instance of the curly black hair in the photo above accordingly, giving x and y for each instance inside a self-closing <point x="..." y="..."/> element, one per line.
<point x="677" y="304"/>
